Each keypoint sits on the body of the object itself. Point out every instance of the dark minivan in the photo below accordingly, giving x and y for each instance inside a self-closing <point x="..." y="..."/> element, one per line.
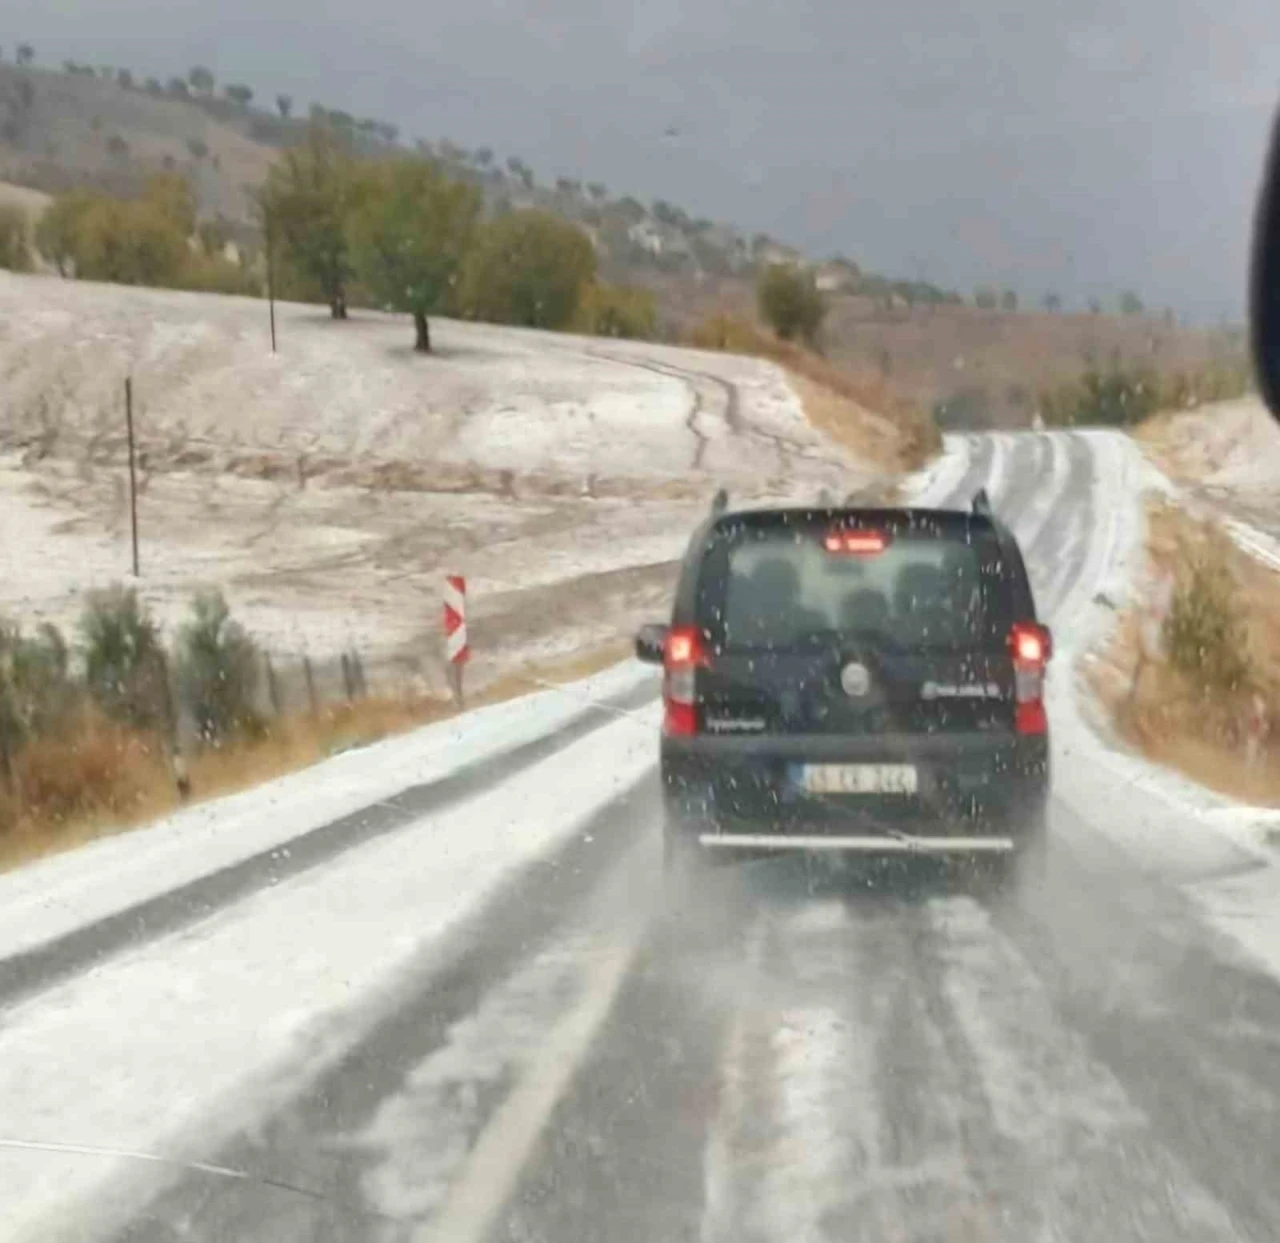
<point x="854" y="680"/>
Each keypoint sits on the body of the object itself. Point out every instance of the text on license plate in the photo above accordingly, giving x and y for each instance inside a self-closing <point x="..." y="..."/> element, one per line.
<point x="859" y="778"/>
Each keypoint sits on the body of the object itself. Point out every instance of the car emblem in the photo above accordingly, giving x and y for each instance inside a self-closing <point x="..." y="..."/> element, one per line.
<point x="856" y="680"/>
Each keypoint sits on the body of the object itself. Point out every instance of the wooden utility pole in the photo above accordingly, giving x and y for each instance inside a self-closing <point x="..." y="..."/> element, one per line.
<point x="271" y="279"/>
<point x="133" y="474"/>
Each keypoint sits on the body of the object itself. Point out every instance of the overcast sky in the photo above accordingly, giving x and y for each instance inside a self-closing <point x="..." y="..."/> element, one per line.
<point x="1084" y="146"/>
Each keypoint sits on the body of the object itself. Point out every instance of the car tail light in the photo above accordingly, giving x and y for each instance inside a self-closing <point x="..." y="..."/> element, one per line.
<point x="683" y="655"/>
<point x="1030" y="646"/>
<point x="856" y="543"/>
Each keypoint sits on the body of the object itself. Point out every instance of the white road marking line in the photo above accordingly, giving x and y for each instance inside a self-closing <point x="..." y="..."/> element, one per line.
<point x="496" y="1162"/>
<point x="724" y="1158"/>
<point x="480" y="1193"/>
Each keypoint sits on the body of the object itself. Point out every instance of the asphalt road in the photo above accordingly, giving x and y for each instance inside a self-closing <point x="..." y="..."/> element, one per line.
<point x="786" y="1054"/>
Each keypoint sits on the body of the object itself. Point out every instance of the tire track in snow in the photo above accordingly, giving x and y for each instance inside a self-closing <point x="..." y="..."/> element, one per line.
<point x="690" y="379"/>
<point x="1081" y="1144"/>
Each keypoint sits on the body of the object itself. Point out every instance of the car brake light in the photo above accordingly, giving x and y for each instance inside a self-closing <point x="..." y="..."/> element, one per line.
<point x="856" y="543"/>
<point x="684" y="655"/>
<point x="1029" y="646"/>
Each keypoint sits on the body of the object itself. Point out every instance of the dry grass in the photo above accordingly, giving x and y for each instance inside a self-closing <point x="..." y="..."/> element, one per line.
<point x="853" y="406"/>
<point x="99" y="778"/>
<point x="1174" y="718"/>
<point x="928" y="354"/>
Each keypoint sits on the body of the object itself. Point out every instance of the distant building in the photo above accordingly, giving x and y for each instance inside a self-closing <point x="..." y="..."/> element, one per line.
<point x="647" y="235"/>
<point x="658" y="239"/>
<point x="837" y="276"/>
<point x="771" y="253"/>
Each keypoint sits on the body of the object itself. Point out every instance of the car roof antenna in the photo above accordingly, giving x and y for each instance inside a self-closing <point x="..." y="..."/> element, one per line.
<point x="982" y="503"/>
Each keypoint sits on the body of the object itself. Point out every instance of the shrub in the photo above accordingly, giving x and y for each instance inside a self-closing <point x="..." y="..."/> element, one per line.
<point x="15" y="243"/>
<point x="212" y="274"/>
<point x="36" y="690"/>
<point x="1114" y="398"/>
<point x="1205" y="636"/>
<point x="791" y="303"/>
<point x="124" y="659"/>
<point x="528" y="268"/>
<point x="618" y="311"/>
<point x="218" y="670"/>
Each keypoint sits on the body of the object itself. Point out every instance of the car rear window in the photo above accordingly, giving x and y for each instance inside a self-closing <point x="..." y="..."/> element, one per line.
<point x="778" y="587"/>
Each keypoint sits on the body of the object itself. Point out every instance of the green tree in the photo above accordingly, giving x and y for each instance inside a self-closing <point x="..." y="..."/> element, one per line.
<point x="26" y="53"/>
<point x="125" y="79"/>
<point x="239" y="94"/>
<point x="201" y="79"/>
<point x="483" y="157"/>
<point x="410" y="236"/>
<point x="124" y="659"/>
<point x="790" y="302"/>
<point x="217" y="670"/>
<point x="15" y="244"/>
<point x="1009" y="301"/>
<point x="529" y="268"/>
<point x="284" y="105"/>
<point x="178" y="87"/>
<point x="309" y="198"/>
<point x="1130" y="303"/>
<point x="985" y="298"/>
<point x="1052" y="303"/>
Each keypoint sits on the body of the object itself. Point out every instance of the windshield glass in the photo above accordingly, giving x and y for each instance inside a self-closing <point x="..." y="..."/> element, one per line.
<point x="637" y="621"/>
<point x="785" y="588"/>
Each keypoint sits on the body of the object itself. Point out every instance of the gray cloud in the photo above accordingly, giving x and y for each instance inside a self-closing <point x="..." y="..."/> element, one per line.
<point x="1085" y="147"/>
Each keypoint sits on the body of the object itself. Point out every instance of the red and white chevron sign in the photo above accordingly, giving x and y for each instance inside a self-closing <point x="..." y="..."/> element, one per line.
<point x="455" y="619"/>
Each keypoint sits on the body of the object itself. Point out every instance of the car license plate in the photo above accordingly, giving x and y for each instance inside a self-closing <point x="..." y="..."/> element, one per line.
<point x="859" y="778"/>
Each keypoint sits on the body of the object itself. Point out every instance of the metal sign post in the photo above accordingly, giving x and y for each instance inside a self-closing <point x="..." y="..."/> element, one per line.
<point x="271" y="272"/>
<point x="133" y="476"/>
<point x="456" y="650"/>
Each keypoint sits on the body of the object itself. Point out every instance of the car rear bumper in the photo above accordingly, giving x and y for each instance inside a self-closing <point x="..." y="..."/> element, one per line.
<point x="976" y="793"/>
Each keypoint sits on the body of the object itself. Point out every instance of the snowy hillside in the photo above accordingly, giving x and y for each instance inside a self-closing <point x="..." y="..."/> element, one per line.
<point x="327" y="487"/>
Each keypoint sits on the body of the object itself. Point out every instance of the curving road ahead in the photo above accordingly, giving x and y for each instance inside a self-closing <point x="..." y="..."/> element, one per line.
<point x="581" y="1056"/>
